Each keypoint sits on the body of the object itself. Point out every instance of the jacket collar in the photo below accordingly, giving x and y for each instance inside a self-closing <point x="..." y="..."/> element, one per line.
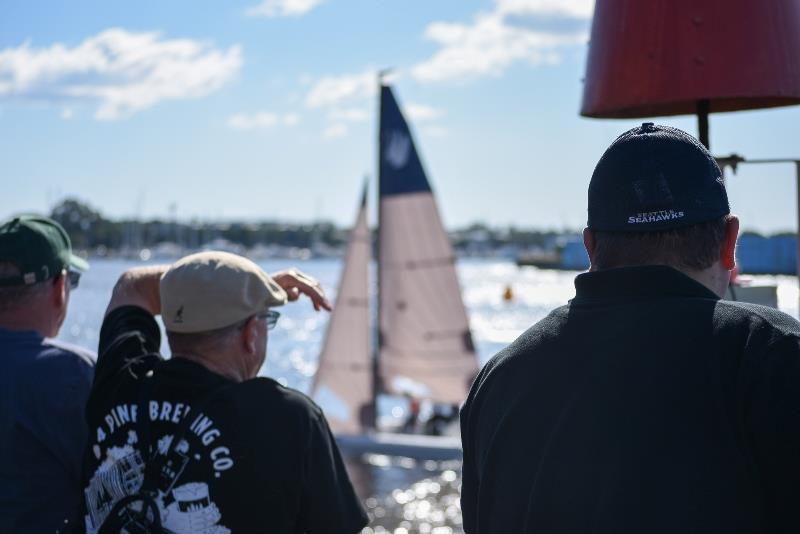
<point x="645" y="281"/>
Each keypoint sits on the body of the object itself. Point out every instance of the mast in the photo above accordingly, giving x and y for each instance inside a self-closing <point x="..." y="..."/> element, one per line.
<point x="376" y="380"/>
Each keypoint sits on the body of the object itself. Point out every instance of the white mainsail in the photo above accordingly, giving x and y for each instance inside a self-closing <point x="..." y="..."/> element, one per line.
<point x="343" y="385"/>
<point x="425" y="345"/>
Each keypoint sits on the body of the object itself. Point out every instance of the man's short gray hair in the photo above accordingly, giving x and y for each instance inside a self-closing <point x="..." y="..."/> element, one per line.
<point x="14" y="297"/>
<point x="183" y="342"/>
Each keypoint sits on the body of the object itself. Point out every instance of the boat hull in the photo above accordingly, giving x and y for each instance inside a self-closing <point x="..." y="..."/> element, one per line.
<point x="416" y="446"/>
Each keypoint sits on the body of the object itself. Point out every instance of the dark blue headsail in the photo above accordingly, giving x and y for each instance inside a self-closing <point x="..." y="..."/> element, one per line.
<point x="400" y="167"/>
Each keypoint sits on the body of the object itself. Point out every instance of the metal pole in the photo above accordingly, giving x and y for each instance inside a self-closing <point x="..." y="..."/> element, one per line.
<point x="703" y="107"/>
<point x="797" y="237"/>
<point x="797" y="193"/>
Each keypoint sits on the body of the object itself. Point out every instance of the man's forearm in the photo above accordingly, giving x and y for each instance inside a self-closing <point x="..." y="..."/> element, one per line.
<point x="138" y="287"/>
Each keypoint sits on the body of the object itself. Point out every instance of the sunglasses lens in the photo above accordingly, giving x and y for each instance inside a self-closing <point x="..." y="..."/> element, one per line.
<point x="74" y="279"/>
<point x="272" y="319"/>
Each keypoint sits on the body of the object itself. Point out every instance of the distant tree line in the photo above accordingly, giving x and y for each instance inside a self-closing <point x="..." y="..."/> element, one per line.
<point x="89" y="229"/>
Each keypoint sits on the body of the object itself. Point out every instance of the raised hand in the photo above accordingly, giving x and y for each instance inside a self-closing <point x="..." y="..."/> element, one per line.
<point x="296" y="283"/>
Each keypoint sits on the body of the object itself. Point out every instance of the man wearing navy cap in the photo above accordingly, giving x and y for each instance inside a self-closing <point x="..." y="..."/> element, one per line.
<point x="44" y="383"/>
<point x="646" y="404"/>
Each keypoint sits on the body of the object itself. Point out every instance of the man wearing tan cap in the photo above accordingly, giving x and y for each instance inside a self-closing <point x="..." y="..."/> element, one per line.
<point x="198" y="443"/>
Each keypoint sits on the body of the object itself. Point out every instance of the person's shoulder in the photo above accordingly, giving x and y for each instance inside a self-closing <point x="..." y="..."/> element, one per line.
<point x="57" y="348"/>
<point x="289" y="400"/>
<point x="542" y="333"/>
<point x="60" y="365"/>
<point x="754" y="317"/>
<point x="64" y="362"/>
<point x="545" y="331"/>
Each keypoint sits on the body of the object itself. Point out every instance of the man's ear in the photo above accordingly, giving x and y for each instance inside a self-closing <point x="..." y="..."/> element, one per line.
<point x="588" y="241"/>
<point x="250" y="335"/>
<point x="60" y="290"/>
<point x="728" y="253"/>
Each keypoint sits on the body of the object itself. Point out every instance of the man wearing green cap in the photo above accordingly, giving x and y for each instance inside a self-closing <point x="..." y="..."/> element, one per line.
<point x="44" y="383"/>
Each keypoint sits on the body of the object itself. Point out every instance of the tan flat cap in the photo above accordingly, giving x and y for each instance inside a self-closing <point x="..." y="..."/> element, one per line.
<point x="211" y="290"/>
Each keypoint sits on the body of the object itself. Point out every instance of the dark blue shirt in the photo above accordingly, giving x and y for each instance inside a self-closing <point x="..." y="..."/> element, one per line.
<point x="44" y="385"/>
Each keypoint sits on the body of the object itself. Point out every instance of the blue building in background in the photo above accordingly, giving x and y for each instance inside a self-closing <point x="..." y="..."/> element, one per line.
<point x="757" y="254"/>
<point x="574" y="256"/>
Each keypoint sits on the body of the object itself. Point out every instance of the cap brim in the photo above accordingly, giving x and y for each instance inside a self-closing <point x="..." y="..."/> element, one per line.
<point x="276" y="296"/>
<point x="78" y="263"/>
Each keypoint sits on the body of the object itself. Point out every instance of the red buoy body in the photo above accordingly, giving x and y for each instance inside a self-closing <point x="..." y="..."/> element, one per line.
<point x="662" y="57"/>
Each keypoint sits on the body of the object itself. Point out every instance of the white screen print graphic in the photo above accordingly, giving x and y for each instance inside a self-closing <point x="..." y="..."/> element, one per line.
<point x="185" y="506"/>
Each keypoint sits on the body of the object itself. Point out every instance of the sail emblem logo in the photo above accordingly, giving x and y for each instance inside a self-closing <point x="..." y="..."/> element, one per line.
<point x="398" y="149"/>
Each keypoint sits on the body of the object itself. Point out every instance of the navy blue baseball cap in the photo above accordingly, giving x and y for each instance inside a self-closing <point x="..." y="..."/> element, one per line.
<point x="655" y="178"/>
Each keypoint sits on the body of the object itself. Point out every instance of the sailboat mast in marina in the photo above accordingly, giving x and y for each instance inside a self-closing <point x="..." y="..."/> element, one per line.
<point x="424" y="345"/>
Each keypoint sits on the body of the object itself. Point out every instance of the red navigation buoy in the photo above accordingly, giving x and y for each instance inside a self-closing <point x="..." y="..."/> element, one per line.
<point x="673" y="57"/>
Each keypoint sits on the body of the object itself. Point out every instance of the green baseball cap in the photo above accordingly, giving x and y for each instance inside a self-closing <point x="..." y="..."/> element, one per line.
<point x="39" y="247"/>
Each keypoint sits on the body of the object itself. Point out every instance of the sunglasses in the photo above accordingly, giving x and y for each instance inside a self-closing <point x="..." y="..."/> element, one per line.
<point x="271" y="316"/>
<point x="73" y="279"/>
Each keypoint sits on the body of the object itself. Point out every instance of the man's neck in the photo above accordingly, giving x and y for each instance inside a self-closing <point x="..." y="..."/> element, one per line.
<point x="229" y="371"/>
<point x="714" y="278"/>
<point x="20" y="321"/>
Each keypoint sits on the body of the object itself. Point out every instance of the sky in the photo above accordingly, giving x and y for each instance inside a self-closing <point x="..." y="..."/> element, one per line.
<point x="265" y="110"/>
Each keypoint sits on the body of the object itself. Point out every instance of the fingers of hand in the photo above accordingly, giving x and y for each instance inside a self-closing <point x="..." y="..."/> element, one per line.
<point x="295" y="282"/>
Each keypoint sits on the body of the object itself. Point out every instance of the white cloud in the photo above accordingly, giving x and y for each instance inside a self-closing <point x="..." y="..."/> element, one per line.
<point x="421" y="112"/>
<point x="261" y="120"/>
<point x="535" y="31"/>
<point x="122" y="72"/>
<point x="349" y="115"/>
<point x="67" y="114"/>
<point x="345" y="98"/>
<point x="282" y="8"/>
<point x="335" y="131"/>
<point x="333" y="90"/>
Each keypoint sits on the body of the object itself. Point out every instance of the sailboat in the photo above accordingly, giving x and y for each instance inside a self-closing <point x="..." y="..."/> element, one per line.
<point x="423" y="345"/>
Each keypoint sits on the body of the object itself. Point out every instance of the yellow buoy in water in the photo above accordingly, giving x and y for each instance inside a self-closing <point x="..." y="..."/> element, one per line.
<point x="508" y="294"/>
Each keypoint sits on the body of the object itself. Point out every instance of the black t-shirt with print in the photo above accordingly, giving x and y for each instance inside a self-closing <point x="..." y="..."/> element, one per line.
<point x="258" y="457"/>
